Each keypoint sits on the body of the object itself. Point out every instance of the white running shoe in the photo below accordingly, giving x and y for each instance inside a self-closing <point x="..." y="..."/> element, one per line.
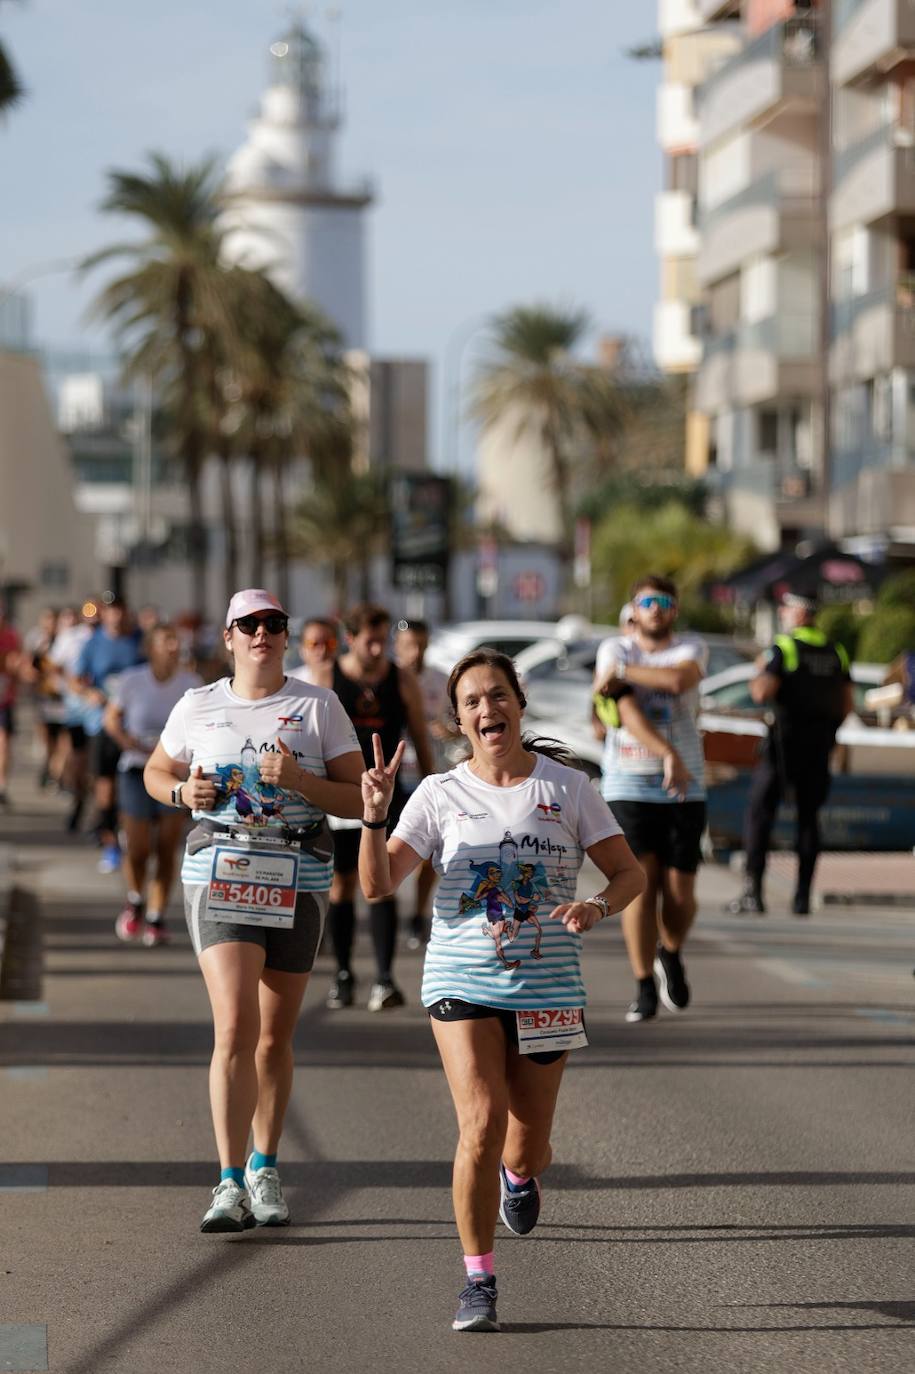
<point x="266" y="1193"/>
<point x="229" y="1210"/>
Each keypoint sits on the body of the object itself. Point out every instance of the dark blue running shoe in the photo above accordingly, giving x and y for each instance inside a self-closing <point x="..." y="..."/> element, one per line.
<point x="519" y="1210"/>
<point x="477" y="1306"/>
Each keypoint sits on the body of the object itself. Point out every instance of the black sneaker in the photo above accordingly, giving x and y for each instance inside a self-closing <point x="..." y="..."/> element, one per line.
<point x="750" y="902"/>
<point x="645" y="1005"/>
<point x="341" y="991"/>
<point x="418" y="933"/>
<point x="800" y="905"/>
<point x="672" y="984"/>
<point x="477" y="1306"/>
<point x="519" y="1210"/>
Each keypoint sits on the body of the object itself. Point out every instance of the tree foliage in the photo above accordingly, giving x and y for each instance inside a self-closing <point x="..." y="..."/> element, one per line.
<point x="534" y="379"/>
<point x="671" y="540"/>
<point x="11" y="89"/>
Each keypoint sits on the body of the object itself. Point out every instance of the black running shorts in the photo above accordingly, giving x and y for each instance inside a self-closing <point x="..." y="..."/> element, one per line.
<point x="287" y="951"/>
<point x="672" y="831"/>
<point x="453" y="1009"/>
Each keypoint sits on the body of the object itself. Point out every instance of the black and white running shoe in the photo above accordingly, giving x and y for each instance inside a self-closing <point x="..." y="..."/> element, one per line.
<point x="645" y="1005"/>
<point x="519" y="1208"/>
<point x="477" y="1306"/>
<point x="672" y="983"/>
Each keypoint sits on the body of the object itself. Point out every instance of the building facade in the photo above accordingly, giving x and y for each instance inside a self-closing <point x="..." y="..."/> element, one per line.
<point x="803" y="312"/>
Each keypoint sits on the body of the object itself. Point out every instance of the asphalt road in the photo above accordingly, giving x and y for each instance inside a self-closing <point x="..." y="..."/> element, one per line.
<point x="732" y="1191"/>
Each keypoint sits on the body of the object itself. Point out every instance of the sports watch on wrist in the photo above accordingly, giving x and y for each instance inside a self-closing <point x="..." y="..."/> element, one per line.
<point x="176" y="794"/>
<point x="601" y="903"/>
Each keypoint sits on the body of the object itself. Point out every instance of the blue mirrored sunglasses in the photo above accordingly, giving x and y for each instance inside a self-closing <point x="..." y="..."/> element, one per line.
<point x="659" y="599"/>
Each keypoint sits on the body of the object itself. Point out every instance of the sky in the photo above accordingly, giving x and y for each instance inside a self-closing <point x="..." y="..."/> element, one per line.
<point x="512" y="143"/>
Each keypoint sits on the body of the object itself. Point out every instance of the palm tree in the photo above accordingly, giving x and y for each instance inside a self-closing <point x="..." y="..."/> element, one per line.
<point x="340" y="522"/>
<point x="534" y="380"/>
<point x="11" y="90"/>
<point x="295" y="395"/>
<point x="172" y="310"/>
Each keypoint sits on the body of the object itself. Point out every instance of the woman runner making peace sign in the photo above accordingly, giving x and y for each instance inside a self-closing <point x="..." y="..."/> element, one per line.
<point x="507" y="831"/>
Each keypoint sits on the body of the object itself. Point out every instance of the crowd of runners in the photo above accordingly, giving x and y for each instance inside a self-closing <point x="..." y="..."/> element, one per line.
<point x="294" y="789"/>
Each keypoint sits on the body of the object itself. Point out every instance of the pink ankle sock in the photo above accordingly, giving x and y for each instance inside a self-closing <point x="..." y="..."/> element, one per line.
<point x="479" y="1264"/>
<point x="516" y="1179"/>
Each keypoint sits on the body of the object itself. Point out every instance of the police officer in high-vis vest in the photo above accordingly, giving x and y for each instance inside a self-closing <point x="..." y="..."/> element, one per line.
<point x="807" y="683"/>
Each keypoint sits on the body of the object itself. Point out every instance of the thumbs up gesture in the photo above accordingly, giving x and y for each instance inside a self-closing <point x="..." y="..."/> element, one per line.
<point x="199" y="793"/>
<point x="278" y="767"/>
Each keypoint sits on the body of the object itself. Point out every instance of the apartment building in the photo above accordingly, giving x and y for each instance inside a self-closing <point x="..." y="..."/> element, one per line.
<point x="872" y="269"/>
<point x="803" y="313"/>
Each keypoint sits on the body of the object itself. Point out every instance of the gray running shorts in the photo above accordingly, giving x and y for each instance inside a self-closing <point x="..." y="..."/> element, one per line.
<point x="287" y="951"/>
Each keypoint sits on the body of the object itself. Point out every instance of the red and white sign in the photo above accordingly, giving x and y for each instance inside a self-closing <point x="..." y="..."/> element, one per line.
<point x="540" y="1031"/>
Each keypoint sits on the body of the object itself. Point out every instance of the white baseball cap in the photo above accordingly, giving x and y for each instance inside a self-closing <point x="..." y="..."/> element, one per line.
<point x="251" y="600"/>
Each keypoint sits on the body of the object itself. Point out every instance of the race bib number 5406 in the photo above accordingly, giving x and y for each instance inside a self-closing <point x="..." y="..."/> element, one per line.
<point x="252" y="887"/>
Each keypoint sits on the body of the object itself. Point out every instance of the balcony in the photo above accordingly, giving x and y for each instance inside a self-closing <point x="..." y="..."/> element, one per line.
<point x="678" y="128"/>
<point x="777" y="70"/>
<point x="874" y="178"/>
<point x="874" y="333"/>
<point x="869" y="497"/>
<point x="676" y="349"/>
<point x="756" y="362"/>
<point x="675" y="232"/>
<point x="678" y="16"/>
<point x="776" y="213"/>
<point x="870" y="38"/>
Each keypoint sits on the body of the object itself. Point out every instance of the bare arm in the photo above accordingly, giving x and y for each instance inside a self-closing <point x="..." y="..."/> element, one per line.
<point x="676" y="680"/>
<point x="383" y="864"/>
<point x="625" y="881"/>
<point x="112" y="724"/>
<point x="418" y="730"/>
<point x="162" y="772"/>
<point x="764" y="688"/>
<point x="676" y="775"/>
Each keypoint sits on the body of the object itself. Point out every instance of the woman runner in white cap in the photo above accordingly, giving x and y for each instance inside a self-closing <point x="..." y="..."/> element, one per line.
<point x="258" y="759"/>
<point x="507" y="832"/>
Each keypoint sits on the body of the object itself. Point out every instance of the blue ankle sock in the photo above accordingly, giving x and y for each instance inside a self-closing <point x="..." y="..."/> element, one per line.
<point x="259" y="1161"/>
<point x="236" y="1175"/>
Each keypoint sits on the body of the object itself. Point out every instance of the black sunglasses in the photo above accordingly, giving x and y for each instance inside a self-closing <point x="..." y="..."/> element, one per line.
<point x="273" y="624"/>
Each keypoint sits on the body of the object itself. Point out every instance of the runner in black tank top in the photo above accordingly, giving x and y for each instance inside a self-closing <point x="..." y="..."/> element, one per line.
<point x="379" y="698"/>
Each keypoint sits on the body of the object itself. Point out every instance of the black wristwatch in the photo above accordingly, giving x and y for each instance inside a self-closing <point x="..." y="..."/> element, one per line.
<point x="176" y="794"/>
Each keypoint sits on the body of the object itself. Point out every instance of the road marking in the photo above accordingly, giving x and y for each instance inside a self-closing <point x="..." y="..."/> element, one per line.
<point x="23" y="1347"/>
<point x="25" y="1010"/>
<point x="23" y="1178"/>
<point x="790" y="973"/>
<point x="27" y="1073"/>
<point x="884" y="1017"/>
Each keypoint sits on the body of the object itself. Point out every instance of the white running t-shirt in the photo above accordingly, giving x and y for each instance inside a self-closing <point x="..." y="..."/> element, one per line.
<point x="145" y="704"/>
<point x="226" y="735"/>
<point x="630" y="771"/>
<point x="504" y="854"/>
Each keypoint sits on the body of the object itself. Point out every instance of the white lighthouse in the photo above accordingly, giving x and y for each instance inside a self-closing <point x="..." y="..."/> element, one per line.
<point x="285" y="211"/>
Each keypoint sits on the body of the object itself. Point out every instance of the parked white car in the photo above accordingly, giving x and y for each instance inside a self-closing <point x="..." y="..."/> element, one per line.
<point x="511" y="637"/>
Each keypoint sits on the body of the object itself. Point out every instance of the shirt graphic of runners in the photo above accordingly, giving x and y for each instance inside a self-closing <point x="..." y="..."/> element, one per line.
<point x="508" y="892"/>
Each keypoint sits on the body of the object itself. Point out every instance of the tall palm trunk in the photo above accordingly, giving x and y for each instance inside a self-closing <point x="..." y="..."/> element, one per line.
<point x="256" y="518"/>
<point x="191" y="447"/>
<point x="229" y="522"/>
<point x="280" y="527"/>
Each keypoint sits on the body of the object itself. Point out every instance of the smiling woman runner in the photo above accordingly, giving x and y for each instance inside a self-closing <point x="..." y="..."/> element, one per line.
<point x="507" y="831"/>
<point x="258" y="759"/>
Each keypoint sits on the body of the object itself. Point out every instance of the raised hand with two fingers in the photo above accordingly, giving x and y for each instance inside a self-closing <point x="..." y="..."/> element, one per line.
<point x="378" y="782"/>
